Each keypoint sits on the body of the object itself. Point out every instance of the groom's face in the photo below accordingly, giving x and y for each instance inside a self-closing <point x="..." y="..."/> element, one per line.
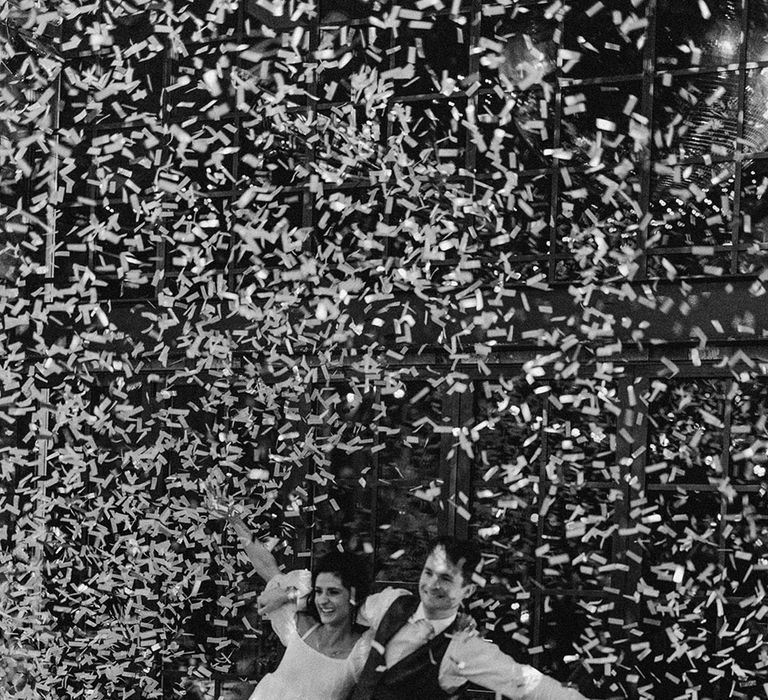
<point x="442" y="587"/>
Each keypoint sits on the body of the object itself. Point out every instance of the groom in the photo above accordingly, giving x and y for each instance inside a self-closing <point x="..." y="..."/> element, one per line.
<point x="415" y="653"/>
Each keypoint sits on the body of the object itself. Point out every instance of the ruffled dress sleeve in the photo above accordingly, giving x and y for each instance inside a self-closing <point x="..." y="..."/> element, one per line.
<point x="359" y="654"/>
<point x="376" y="605"/>
<point x="283" y="619"/>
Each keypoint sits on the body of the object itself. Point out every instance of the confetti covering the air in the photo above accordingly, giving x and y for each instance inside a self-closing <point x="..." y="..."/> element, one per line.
<point x="366" y="271"/>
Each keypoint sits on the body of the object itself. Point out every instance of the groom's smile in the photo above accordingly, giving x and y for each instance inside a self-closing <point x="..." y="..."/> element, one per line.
<point x="441" y="586"/>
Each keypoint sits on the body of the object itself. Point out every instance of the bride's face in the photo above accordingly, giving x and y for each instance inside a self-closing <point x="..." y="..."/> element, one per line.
<point x="332" y="600"/>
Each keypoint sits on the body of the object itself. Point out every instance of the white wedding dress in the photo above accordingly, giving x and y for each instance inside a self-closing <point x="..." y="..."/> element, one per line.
<point x="304" y="673"/>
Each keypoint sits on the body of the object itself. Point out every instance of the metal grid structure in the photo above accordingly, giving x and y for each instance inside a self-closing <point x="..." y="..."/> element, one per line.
<point x="633" y="443"/>
<point x="641" y="441"/>
<point x="575" y="168"/>
<point x="648" y="449"/>
<point x="717" y="84"/>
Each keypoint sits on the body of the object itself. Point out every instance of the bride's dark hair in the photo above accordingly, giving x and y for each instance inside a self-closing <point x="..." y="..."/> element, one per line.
<point x="353" y="574"/>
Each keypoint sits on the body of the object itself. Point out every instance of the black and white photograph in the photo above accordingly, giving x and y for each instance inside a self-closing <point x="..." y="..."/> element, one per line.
<point x="383" y="349"/>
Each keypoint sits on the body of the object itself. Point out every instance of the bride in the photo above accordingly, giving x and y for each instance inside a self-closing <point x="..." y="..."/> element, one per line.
<point x="325" y="649"/>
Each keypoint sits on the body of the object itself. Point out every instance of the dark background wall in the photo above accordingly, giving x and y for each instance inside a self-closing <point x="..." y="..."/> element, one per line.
<point x="380" y="271"/>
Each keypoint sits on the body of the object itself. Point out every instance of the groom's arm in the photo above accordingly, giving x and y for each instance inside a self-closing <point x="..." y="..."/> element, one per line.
<point x="376" y="605"/>
<point x="470" y="658"/>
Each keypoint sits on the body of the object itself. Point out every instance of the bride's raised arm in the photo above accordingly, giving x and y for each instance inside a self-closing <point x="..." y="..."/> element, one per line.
<point x="262" y="559"/>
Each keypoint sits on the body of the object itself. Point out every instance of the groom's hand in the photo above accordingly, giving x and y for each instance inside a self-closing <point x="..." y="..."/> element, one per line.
<point x="272" y="600"/>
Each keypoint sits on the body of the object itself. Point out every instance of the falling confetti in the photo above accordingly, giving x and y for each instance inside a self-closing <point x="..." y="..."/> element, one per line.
<point x="362" y="268"/>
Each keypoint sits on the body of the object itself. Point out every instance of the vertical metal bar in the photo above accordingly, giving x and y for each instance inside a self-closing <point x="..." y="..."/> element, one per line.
<point x="307" y="220"/>
<point x="308" y="197"/>
<point x="634" y="489"/>
<point x="230" y="272"/>
<point x="464" y="464"/>
<point x="165" y="119"/>
<point x="313" y="494"/>
<point x="50" y="269"/>
<point x="470" y="148"/>
<point x="554" y="178"/>
<point x="373" y="482"/>
<point x="159" y="241"/>
<point x="386" y="134"/>
<point x="739" y="163"/>
<point x="538" y="594"/>
<point x="725" y="455"/>
<point x="304" y="532"/>
<point x="646" y="111"/>
<point x="624" y="449"/>
<point x="725" y="460"/>
<point x="92" y="188"/>
<point x="449" y="460"/>
<point x="43" y="412"/>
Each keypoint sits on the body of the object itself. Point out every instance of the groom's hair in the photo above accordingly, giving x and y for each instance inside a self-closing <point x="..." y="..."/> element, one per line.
<point x="460" y="553"/>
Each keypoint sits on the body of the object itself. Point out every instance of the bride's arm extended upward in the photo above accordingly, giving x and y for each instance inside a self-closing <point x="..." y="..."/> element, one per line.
<point x="282" y="588"/>
<point x="262" y="559"/>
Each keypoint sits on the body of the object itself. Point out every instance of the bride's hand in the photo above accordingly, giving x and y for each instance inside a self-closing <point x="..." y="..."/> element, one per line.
<point x="465" y="623"/>
<point x="217" y="504"/>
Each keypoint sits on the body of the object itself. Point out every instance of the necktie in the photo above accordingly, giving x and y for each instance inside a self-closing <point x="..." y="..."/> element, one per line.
<point x="407" y="640"/>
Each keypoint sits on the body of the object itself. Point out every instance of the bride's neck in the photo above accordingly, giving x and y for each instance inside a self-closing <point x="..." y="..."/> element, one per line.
<point x="335" y="633"/>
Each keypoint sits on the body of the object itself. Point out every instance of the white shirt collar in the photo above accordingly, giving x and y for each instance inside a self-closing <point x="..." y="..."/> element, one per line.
<point x="438" y="625"/>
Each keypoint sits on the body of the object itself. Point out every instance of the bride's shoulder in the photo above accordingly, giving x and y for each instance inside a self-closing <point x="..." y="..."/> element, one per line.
<point x="361" y="648"/>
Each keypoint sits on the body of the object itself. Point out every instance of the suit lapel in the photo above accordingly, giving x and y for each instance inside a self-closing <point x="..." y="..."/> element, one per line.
<point x="431" y="646"/>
